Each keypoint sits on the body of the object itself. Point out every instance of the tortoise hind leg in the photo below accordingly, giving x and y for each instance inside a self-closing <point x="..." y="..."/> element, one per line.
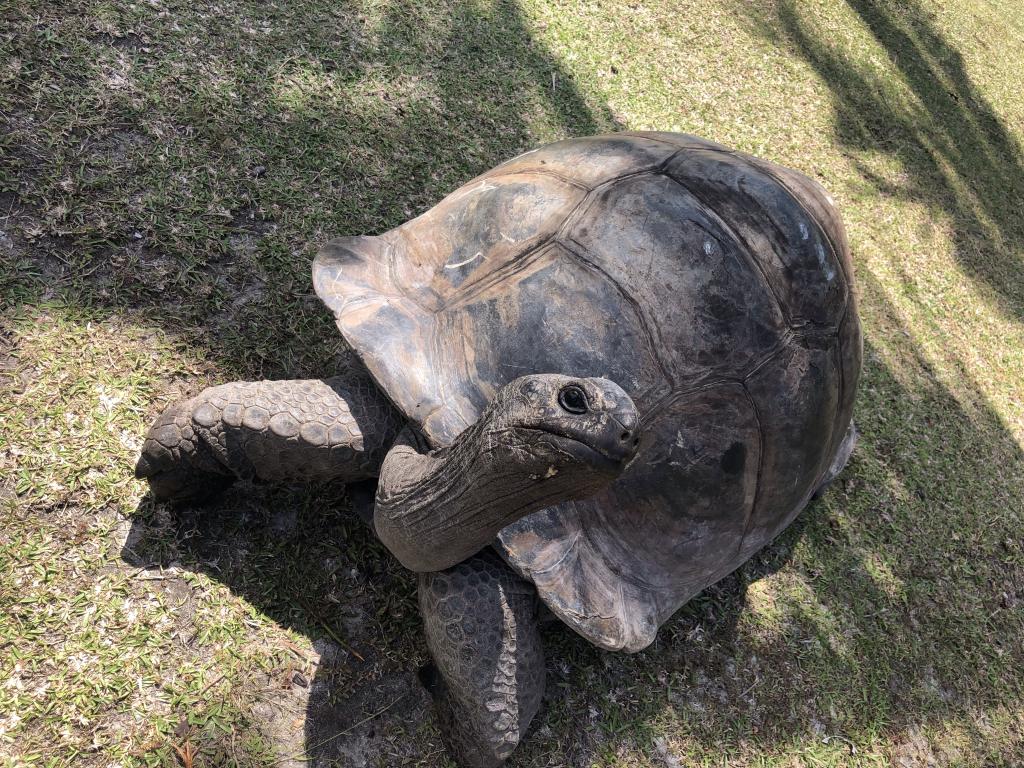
<point x="481" y="627"/>
<point x="268" y="431"/>
<point x="842" y="457"/>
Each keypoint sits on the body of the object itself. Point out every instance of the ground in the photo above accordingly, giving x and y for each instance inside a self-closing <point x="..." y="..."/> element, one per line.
<point x="167" y="170"/>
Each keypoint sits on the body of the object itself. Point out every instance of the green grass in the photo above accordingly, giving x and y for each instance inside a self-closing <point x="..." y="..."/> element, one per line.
<point x="166" y="172"/>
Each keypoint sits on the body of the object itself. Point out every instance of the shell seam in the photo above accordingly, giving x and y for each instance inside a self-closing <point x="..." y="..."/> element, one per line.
<point x="758" y="484"/>
<point x="474" y="289"/>
<point x="761" y="166"/>
<point x="530" y="171"/>
<point x="581" y="256"/>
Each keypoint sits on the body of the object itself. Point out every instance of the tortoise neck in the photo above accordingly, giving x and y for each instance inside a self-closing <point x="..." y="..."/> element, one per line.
<point x="526" y="452"/>
<point x="434" y="510"/>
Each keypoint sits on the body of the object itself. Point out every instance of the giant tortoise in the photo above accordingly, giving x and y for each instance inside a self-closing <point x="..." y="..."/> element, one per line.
<point x="602" y="374"/>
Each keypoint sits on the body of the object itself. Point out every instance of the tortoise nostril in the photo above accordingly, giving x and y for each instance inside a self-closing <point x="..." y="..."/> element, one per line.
<point x="624" y="436"/>
<point x="636" y="441"/>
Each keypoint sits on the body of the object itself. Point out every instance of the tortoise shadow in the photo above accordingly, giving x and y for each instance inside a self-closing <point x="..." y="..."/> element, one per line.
<point x="853" y="631"/>
<point x="303" y="558"/>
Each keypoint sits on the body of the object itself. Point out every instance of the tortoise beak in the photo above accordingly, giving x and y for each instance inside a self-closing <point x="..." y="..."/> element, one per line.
<point x="619" y="436"/>
<point x="628" y="439"/>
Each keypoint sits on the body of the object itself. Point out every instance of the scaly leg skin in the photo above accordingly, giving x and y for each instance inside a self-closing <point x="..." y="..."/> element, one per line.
<point x="268" y="431"/>
<point x="481" y="627"/>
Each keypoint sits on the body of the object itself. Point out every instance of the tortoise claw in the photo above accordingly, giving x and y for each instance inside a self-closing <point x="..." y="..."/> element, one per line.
<point x="173" y="459"/>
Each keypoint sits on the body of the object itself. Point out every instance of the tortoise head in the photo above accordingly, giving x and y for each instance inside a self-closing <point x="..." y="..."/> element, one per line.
<point x="550" y="423"/>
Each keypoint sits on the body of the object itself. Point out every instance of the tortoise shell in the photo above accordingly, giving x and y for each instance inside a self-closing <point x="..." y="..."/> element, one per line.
<point x="715" y="288"/>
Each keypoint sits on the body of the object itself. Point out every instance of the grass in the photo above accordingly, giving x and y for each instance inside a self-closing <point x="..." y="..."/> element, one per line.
<point x="166" y="172"/>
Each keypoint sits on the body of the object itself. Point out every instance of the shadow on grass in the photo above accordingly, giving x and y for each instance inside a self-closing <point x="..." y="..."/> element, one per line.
<point x="958" y="157"/>
<point x="182" y="164"/>
<point x="300" y="557"/>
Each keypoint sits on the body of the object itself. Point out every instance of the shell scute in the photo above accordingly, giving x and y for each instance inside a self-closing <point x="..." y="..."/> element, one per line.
<point x="567" y="318"/>
<point x="797" y="399"/>
<point x="795" y="256"/>
<point x="711" y="313"/>
<point x="476" y="231"/>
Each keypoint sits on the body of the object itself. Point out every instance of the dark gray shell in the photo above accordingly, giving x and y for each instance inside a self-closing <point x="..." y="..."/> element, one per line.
<point x="712" y="286"/>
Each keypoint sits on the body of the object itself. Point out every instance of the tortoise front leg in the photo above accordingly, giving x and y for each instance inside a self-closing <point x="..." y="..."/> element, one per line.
<point x="268" y="431"/>
<point x="481" y="626"/>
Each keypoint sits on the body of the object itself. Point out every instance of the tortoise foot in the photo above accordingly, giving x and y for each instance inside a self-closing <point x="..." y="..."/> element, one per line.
<point x="176" y="462"/>
<point x="487" y="679"/>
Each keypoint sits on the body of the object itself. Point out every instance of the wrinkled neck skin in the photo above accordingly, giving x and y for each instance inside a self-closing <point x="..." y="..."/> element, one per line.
<point x="435" y="509"/>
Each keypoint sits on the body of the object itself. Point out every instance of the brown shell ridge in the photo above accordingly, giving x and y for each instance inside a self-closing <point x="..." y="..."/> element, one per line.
<point x="679" y="393"/>
<point x="497" y="173"/>
<point x="351" y="305"/>
<point x="742" y="245"/>
<point x="788" y="336"/>
<point x="570" y="549"/>
<point x="838" y="362"/>
<point x="622" y="578"/>
<point x="661" y="169"/>
<point x="388" y="256"/>
<point x="840" y="368"/>
<point x="840" y="372"/>
<point x="473" y="290"/>
<point x="589" y="199"/>
<point x="650" y="136"/>
<point x="442" y="381"/>
<point x="820" y="331"/>
<point x="611" y="565"/>
<point x="593" y="193"/>
<point x="394" y="278"/>
<point x="575" y="618"/>
<point x="578" y="252"/>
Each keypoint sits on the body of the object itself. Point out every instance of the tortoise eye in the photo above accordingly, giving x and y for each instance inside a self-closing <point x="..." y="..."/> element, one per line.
<point x="573" y="399"/>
